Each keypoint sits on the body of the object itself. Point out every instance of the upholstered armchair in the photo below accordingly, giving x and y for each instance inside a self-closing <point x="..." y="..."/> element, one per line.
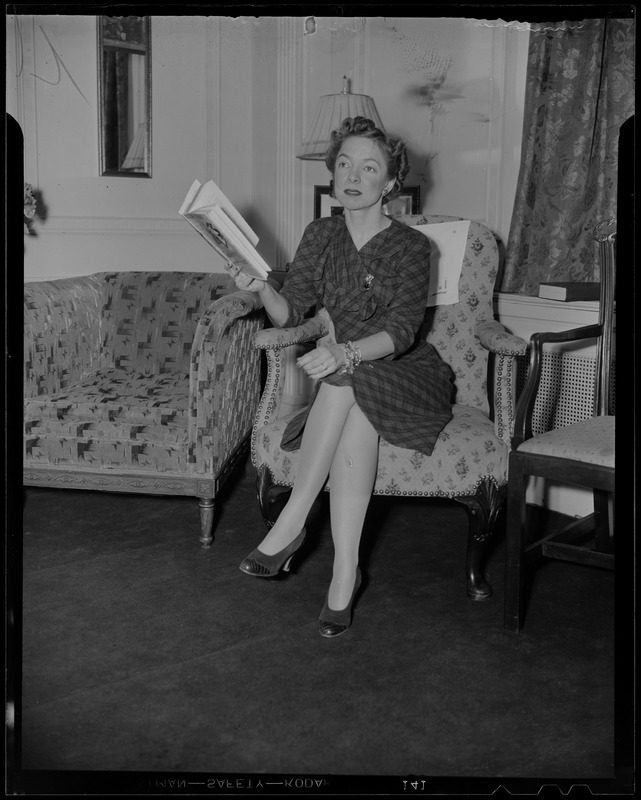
<point x="142" y="382"/>
<point x="469" y="461"/>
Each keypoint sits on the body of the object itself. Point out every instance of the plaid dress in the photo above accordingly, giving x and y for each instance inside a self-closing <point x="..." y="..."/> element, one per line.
<point x="381" y="287"/>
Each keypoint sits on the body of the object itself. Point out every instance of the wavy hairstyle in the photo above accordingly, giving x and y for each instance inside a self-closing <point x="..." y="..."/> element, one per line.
<point x="393" y="151"/>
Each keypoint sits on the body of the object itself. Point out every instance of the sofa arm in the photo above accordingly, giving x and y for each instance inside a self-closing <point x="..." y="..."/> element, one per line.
<point x="224" y="379"/>
<point x="61" y="332"/>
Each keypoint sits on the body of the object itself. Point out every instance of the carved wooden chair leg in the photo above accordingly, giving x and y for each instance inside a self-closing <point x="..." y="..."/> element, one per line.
<point x="206" y="520"/>
<point x="482" y="509"/>
<point x="515" y="525"/>
<point x="604" y="540"/>
<point x="271" y="496"/>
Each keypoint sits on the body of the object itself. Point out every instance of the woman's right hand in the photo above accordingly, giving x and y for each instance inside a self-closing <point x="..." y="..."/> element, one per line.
<point x="244" y="282"/>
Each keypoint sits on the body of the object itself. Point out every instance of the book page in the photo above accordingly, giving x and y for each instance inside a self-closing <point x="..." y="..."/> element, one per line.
<point x="209" y="194"/>
<point x="226" y="227"/>
<point x="193" y="191"/>
<point x="212" y="231"/>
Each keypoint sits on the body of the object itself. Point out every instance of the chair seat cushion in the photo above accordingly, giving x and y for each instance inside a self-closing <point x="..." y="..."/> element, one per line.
<point x="590" y="441"/>
<point x="112" y="419"/>
<point x="466" y="452"/>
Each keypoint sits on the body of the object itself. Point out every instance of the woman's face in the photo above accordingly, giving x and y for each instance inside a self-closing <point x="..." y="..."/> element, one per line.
<point x="360" y="174"/>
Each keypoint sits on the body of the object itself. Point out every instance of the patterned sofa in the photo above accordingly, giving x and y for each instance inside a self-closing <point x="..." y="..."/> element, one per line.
<point x="469" y="462"/>
<point x="143" y="382"/>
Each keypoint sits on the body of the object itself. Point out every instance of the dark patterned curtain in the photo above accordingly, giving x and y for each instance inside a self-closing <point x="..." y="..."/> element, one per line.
<point x="579" y="90"/>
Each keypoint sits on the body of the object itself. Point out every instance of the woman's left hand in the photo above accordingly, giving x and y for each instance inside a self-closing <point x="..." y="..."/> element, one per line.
<point x="322" y="361"/>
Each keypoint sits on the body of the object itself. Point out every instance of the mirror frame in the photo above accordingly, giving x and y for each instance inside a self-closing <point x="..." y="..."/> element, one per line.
<point x="145" y="49"/>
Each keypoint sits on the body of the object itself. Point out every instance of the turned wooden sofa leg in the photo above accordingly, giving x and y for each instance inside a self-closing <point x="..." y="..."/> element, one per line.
<point x="482" y="509"/>
<point x="206" y="520"/>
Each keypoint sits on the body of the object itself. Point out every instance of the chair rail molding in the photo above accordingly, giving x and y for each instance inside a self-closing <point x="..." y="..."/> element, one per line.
<point x="120" y="226"/>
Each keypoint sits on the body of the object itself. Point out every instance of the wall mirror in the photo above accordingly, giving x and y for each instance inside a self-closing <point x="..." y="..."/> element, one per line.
<point x="124" y="96"/>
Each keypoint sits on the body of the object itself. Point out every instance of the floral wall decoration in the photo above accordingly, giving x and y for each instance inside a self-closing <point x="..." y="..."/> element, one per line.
<point x="439" y="86"/>
<point x="34" y="209"/>
<point x="430" y="65"/>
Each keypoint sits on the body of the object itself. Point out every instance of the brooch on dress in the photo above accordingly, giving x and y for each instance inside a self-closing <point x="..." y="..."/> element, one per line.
<point x="367" y="281"/>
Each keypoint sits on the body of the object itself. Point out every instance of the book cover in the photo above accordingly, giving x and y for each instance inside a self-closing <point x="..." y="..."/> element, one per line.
<point x="215" y="218"/>
<point x="570" y="292"/>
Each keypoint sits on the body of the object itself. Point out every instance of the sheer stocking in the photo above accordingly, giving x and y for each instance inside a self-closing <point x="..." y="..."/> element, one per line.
<point x="322" y="433"/>
<point x="352" y="477"/>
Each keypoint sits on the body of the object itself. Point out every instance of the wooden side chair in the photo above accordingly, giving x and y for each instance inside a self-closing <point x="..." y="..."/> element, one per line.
<point x="580" y="454"/>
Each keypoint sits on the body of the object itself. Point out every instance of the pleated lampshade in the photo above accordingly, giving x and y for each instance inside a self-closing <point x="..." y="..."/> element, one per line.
<point x="332" y="110"/>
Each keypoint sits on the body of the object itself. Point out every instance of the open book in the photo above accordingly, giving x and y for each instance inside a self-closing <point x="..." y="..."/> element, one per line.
<point x="214" y="217"/>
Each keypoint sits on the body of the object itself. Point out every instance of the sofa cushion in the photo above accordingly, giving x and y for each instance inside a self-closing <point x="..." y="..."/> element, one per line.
<point x="149" y="319"/>
<point x="112" y="419"/>
<point x="467" y="451"/>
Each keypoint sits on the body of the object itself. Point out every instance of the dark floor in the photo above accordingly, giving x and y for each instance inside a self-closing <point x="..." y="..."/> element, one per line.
<point x="145" y="654"/>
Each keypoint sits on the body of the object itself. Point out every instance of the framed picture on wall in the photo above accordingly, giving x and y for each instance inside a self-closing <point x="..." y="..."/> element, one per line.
<point x="324" y="205"/>
<point x="407" y="202"/>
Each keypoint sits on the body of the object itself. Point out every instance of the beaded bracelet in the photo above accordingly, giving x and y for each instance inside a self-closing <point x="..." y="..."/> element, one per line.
<point x="353" y="358"/>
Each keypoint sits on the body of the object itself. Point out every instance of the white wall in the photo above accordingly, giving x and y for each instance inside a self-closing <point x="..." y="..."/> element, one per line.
<point x="98" y="223"/>
<point x="230" y="100"/>
<point x="452" y="88"/>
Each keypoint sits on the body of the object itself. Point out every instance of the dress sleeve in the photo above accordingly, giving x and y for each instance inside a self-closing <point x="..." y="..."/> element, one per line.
<point x="404" y="315"/>
<point x="300" y="288"/>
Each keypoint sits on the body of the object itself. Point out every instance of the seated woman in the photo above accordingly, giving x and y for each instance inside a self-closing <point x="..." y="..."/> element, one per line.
<point x="371" y="273"/>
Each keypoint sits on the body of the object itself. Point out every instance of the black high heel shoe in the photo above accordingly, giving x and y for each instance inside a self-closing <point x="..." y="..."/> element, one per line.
<point x="261" y="565"/>
<point x="334" y="623"/>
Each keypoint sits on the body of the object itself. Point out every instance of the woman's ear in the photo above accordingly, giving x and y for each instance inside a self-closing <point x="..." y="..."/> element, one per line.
<point x="389" y="185"/>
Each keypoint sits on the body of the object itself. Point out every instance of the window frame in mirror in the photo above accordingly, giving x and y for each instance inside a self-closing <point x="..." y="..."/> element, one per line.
<point x="144" y="48"/>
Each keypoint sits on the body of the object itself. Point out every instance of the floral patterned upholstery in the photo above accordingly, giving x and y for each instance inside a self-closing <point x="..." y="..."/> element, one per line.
<point x="469" y="460"/>
<point x="472" y="448"/>
<point x="466" y="452"/>
<point x="139" y="381"/>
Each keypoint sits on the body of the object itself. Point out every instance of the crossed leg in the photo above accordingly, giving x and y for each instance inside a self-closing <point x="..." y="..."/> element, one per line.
<point x="338" y="441"/>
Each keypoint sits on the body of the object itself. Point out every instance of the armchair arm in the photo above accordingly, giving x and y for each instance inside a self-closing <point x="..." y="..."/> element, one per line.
<point x="275" y="342"/>
<point x="224" y="379"/>
<point x="61" y="332"/>
<point x="525" y="406"/>
<point x="278" y="338"/>
<point x="493" y="336"/>
<point x="506" y="347"/>
<point x="537" y="340"/>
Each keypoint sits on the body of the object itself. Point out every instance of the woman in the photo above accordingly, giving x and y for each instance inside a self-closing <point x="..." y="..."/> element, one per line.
<point x="371" y="273"/>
